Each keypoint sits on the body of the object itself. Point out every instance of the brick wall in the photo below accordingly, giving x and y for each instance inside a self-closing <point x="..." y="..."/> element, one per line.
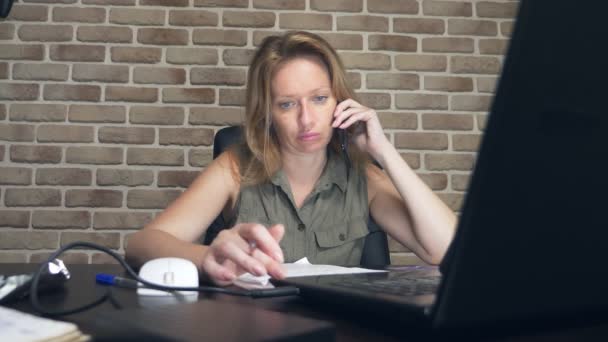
<point x="108" y="107"/>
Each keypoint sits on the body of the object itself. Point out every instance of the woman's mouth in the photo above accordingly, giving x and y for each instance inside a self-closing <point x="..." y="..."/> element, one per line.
<point x="309" y="136"/>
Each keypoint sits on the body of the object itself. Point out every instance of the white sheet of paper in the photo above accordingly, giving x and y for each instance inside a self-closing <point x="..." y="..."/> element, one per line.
<point x="300" y="268"/>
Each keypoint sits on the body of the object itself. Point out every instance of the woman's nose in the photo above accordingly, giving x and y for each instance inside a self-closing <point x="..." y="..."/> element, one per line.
<point x="305" y="116"/>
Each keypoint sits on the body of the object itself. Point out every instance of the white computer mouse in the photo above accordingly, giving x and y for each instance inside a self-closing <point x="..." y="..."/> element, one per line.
<point x="168" y="272"/>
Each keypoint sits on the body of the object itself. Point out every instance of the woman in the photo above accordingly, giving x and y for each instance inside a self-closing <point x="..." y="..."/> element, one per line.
<point x="302" y="185"/>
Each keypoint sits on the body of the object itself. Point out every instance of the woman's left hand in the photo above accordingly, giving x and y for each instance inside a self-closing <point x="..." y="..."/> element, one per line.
<point x="367" y="133"/>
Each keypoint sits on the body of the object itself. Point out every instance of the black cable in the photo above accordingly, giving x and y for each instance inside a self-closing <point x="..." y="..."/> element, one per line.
<point x="281" y="291"/>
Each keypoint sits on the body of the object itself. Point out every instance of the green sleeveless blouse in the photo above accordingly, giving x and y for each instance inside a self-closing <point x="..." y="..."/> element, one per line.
<point x="331" y="225"/>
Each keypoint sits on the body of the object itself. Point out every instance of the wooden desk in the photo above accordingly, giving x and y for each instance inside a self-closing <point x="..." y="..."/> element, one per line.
<point x="82" y="289"/>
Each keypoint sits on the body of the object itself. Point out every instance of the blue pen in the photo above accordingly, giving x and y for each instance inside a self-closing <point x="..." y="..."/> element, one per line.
<point x="109" y="279"/>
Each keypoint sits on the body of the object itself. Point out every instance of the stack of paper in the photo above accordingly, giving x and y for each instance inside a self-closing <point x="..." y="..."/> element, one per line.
<point x="19" y="326"/>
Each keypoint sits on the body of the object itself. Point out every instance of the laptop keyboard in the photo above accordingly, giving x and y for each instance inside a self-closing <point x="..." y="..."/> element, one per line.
<point x="399" y="284"/>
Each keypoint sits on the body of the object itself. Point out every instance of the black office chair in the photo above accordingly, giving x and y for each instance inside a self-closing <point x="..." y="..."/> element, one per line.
<point x="375" y="251"/>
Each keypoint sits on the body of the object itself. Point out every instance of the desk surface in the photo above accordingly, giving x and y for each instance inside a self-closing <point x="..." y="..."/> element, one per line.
<point x="82" y="289"/>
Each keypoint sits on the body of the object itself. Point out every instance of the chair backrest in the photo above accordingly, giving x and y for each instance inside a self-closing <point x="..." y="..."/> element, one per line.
<point x="375" y="250"/>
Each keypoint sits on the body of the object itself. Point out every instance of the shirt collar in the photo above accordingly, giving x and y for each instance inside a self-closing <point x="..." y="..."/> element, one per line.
<point x="334" y="173"/>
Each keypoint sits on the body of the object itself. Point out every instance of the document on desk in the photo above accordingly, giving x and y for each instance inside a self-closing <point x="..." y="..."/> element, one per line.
<point x="300" y="268"/>
<point x="20" y="326"/>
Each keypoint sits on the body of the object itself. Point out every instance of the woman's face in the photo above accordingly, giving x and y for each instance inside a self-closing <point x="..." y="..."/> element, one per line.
<point x="302" y="105"/>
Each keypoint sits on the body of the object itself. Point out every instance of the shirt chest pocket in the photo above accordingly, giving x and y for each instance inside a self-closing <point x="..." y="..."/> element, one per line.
<point x="340" y="234"/>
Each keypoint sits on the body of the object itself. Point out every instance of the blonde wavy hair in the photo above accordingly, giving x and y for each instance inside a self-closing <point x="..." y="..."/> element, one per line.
<point x="260" y="159"/>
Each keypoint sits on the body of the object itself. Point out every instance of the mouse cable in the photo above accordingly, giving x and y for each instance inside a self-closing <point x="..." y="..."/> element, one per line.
<point x="35" y="302"/>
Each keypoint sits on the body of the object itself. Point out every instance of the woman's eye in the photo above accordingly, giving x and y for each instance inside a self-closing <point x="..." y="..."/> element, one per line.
<point x="286" y="105"/>
<point x="320" y="98"/>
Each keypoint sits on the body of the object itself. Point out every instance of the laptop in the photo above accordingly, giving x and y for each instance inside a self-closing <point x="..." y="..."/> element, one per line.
<point x="529" y="246"/>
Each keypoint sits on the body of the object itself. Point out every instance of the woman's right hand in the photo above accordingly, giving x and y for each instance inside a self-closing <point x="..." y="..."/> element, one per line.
<point x="246" y="247"/>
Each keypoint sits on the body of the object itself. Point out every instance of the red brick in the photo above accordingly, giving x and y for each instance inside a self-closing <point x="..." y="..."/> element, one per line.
<point x="79" y="14"/>
<point x="46" y="33"/>
<point x="169" y="3"/>
<point x="17" y="132"/>
<point x="447" y="8"/>
<point x="3" y="73"/>
<point x="63" y="176"/>
<point x="219" y="37"/>
<point x="444" y="162"/>
<point x="18" y="91"/>
<point x="29" y="197"/>
<point x="493" y="46"/>
<point x="482" y="121"/>
<point x="40" y="72"/>
<point x="435" y="181"/>
<point x="158" y="75"/>
<point x="354" y="79"/>
<point x="398" y="120"/>
<point x="200" y="158"/>
<point x="111" y="177"/>
<point x="452" y="122"/>
<point x="151" y="199"/>
<point x="7" y="31"/>
<point x="232" y="97"/>
<point x="393" y="7"/>
<point x="474" y="65"/>
<point x="104" y="34"/>
<point x="137" y="16"/>
<point x="215" y="116"/>
<point x="29" y="12"/>
<point x="480" y="103"/>
<point x="506" y="28"/>
<point x="121" y="220"/>
<point x="15" y="176"/>
<point x="28" y="240"/>
<point x="185" y="136"/>
<point x="472" y="27"/>
<point x="439" y="44"/>
<point x="393" y="81"/>
<point x="366" y="61"/>
<point x="362" y="23"/>
<point x="155" y="156"/>
<point x="162" y="36"/>
<point x="337" y="5"/>
<point x="181" y="179"/>
<point x="78" y="53"/>
<point x="237" y="56"/>
<point x="193" y="18"/>
<point x="72" y="92"/>
<point x="96" y="113"/>
<point x="486" y="84"/>
<point x="188" y="95"/>
<point x="14" y="218"/>
<point x="93" y="198"/>
<point x="418" y="25"/>
<point x="421" y="141"/>
<point x="108" y="240"/>
<point x="280" y="4"/>
<point x="38" y="112"/>
<point x="452" y="200"/>
<point x="447" y="83"/>
<point x="460" y="182"/>
<point x="69" y="258"/>
<point x="344" y="41"/>
<point x="135" y="54"/>
<point x="100" y="73"/>
<point x="421" y="62"/>
<point x="392" y="43"/>
<point x="421" y="101"/>
<point x="248" y="19"/>
<point x="94" y="155"/>
<point x="375" y="100"/>
<point x="305" y="21"/>
<point x="65" y="133"/>
<point x="110" y="2"/>
<point x="131" y="94"/>
<point x="126" y="135"/>
<point x="201" y="56"/>
<point x="221" y="3"/>
<point x="497" y="9"/>
<point x="156" y="115"/>
<point x="20" y="51"/>
<point x="466" y="142"/>
<point x="35" y="154"/>
<point x="218" y="76"/>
